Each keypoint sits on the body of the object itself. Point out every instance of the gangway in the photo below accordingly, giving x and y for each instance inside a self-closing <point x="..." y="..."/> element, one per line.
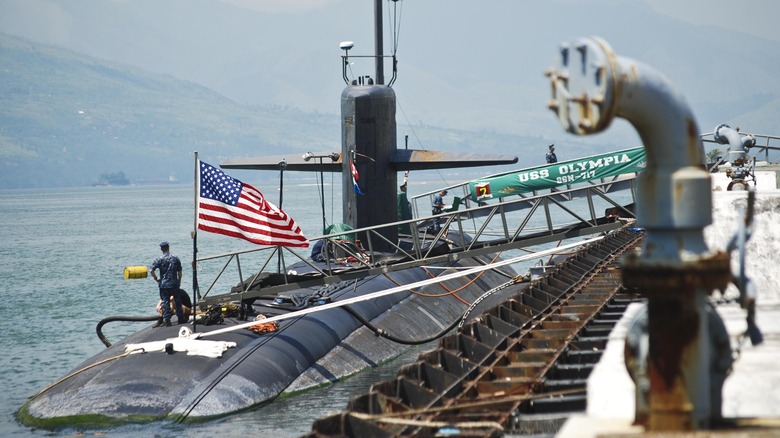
<point x="516" y="222"/>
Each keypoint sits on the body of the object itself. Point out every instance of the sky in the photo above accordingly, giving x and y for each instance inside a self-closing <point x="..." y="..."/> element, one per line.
<point x="754" y="17"/>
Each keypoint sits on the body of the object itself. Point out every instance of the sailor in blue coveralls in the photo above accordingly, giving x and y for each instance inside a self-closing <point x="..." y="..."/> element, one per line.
<point x="438" y="207"/>
<point x="550" y="157"/>
<point x="169" y="283"/>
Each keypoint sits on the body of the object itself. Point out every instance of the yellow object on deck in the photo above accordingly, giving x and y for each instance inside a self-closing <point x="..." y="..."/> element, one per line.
<point x="136" y="272"/>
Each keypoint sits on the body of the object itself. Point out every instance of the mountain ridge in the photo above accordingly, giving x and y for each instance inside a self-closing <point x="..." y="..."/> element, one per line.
<point x="68" y="118"/>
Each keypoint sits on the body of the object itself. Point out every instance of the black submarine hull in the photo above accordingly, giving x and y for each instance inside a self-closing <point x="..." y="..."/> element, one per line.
<point x="305" y="352"/>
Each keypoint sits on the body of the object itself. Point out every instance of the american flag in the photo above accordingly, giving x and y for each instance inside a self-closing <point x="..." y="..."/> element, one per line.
<point x="228" y="206"/>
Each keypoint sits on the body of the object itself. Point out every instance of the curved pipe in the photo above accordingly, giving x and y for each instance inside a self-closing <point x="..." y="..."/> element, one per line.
<point x="593" y="86"/>
<point x="675" y="269"/>
<point x="738" y="145"/>
<point x="104" y="321"/>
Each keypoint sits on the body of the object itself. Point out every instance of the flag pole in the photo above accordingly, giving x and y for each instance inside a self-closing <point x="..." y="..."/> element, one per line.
<point x="280" y="256"/>
<point x="195" y="289"/>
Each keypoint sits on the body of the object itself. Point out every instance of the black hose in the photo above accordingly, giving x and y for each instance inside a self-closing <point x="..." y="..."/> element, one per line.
<point x="120" y="318"/>
<point x="384" y="334"/>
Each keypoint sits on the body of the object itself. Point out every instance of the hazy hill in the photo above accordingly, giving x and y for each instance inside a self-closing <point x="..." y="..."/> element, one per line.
<point x="470" y="65"/>
<point x="66" y="119"/>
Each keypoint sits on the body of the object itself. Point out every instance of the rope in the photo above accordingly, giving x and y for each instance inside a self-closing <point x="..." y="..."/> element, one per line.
<point x="553" y="255"/>
<point x="448" y="292"/>
<point x="477" y="404"/>
<point x="468" y="283"/>
<point x="517" y="279"/>
<point x="458" y="322"/>
<point x="438" y="424"/>
<point x="427" y="295"/>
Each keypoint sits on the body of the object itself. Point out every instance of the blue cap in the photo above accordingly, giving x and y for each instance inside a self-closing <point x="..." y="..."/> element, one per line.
<point x="164" y="245"/>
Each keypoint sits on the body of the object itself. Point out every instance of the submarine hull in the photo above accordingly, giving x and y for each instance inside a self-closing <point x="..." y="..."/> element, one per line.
<point x="306" y="351"/>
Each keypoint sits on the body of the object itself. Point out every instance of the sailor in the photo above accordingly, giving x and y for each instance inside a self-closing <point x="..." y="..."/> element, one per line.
<point x="169" y="284"/>
<point x="316" y="251"/>
<point x="186" y="304"/>
<point x="404" y="210"/>
<point x="438" y="207"/>
<point x="551" y="157"/>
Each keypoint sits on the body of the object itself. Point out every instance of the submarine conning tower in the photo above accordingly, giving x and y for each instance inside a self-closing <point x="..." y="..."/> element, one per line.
<point x="368" y="141"/>
<point x="368" y="137"/>
<point x="368" y="132"/>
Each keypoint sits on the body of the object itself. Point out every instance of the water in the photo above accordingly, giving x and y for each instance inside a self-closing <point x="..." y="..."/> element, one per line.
<point x="63" y="253"/>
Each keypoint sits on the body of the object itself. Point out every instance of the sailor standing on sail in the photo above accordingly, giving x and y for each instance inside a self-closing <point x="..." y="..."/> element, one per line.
<point x="169" y="283"/>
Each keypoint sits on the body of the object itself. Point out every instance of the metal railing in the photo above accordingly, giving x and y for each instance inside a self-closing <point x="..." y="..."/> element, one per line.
<point x="764" y="143"/>
<point x="491" y="228"/>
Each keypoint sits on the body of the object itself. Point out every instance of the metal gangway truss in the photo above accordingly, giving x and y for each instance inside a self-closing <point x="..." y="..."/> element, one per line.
<point x="517" y="222"/>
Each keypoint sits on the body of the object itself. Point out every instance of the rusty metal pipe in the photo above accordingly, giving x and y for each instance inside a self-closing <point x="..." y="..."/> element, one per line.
<point x="674" y="202"/>
<point x="675" y="269"/>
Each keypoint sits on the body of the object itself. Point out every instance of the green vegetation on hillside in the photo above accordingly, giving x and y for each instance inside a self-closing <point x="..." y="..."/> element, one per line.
<point x="112" y="179"/>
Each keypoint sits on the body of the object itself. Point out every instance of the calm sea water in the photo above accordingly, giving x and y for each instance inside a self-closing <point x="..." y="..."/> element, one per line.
<point x="63" y="253"/>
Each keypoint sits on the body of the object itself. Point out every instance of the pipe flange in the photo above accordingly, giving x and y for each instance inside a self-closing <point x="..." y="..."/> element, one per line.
<point x="583" y="86"/>
<point x="709" y="273"/>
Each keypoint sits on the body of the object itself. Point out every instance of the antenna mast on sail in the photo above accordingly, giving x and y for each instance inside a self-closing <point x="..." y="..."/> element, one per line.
<point x="380" y="65"/>
<point x="379" y="56"/>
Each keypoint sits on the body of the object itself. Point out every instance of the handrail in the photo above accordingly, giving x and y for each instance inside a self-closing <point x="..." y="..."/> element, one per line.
<point x="770" y="142"/>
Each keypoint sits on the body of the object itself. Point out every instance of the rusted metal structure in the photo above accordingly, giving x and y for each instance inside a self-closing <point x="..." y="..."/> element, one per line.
<point x="675" y="269"/>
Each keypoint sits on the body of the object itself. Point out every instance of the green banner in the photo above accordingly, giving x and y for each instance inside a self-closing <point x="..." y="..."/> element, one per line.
<point x="558" y="174"/>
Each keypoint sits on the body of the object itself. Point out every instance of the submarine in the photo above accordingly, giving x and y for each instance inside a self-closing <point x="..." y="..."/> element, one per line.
<point x="354" y="304"/>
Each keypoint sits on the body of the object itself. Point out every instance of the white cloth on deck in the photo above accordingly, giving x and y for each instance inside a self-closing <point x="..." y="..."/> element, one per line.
<point x="193" y="347"/>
